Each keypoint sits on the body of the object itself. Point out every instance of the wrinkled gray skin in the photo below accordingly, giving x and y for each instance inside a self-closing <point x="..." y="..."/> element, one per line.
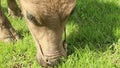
<point x="46" y="21"/>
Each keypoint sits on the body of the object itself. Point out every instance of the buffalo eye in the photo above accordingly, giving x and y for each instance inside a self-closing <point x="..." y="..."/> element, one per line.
<point x="31" y="18"/>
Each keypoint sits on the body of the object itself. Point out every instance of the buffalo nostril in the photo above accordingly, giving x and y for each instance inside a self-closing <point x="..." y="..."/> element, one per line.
<point x="46" y="63"/>
<point x="49" y="63"/>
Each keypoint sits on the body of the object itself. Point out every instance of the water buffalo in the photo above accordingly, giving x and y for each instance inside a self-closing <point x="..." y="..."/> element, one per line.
<point x="46" y="21"/>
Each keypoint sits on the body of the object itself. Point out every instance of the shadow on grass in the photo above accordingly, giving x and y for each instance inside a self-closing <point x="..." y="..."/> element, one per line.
<point x="98" y="25"/>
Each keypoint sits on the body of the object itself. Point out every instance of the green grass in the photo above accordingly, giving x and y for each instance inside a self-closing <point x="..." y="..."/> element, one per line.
<point x="93" y="37"/>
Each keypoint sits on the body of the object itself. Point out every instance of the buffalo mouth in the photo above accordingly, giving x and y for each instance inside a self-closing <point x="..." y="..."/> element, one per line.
<point x="47" y="62"/>
<point x="50" y="59"/>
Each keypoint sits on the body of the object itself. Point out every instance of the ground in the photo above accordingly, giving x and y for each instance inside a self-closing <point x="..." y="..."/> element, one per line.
<point x="93" y="37"/>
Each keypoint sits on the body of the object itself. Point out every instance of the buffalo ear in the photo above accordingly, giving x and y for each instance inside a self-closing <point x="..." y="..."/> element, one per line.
<point x="67" y="9"/>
